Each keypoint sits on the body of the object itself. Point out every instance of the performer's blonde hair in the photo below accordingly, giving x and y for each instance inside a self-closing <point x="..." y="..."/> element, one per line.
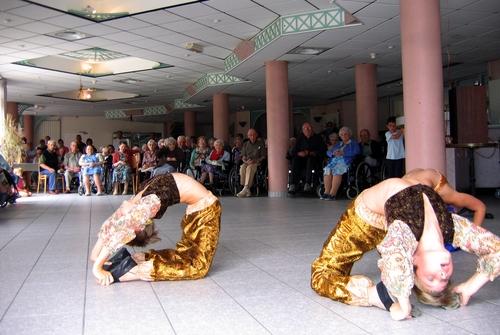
<point x="446" y="299"/>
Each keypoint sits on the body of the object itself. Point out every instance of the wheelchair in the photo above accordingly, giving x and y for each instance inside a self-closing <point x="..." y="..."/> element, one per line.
<point x="106" y="180"/>
<point x="350" y="185"/>
<point x="316" y="177"/>
<point x="260" y="184"/>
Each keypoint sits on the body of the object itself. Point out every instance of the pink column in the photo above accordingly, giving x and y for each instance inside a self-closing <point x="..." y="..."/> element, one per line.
<point x="277" y="115"/>
<point x="12" y="111"/>
<point x="167" y="128"/>
<point x="422" y="84"/>
<point x="366" y="98"/>
<point x="28" y="129"/>
<point x="221" y="116"/>
<point x="189" y="123"/>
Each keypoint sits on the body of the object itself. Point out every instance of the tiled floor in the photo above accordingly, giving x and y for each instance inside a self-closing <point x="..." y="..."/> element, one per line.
<point x="259" y="282"/>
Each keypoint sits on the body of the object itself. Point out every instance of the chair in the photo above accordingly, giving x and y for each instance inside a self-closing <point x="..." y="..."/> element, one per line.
<point x="43" y="179"/>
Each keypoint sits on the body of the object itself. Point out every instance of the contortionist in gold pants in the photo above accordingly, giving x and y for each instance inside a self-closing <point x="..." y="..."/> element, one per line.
<point x="132" y="224"/>
<point x="408" y="223"/>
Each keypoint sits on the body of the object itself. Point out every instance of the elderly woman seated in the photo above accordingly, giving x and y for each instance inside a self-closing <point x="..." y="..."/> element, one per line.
<point x="122" y="167"/>
<point x="91" y="166"/>
<point x="216" y="162"/>
<point x="340" y="156"/>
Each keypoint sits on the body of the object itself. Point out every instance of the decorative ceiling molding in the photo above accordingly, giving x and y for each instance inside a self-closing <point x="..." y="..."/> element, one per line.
<point x="181" y="104"/>
<point x="211" y="80"/>
<point x="325" y="19"/>
<point x="129" y="113"/>
<point x="22" y="107"/>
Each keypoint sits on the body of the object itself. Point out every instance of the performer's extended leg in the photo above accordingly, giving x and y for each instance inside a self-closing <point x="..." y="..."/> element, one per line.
<point x="330" y="272"/>
<point x="194" y="253"/>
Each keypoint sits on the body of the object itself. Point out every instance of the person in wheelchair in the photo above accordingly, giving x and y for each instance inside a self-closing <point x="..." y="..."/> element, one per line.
<point x="91" y="167"/>
<point x="307" y="155"/>
<point x="71" y="165"/>
<point x="370" y="149"/>
<point x="215" y="164"/>
<point x="252" y="155"/>
<point x="340" y="157"/>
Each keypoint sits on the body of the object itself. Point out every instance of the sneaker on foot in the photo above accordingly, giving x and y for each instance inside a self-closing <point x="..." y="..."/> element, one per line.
<point x="291" y="189"/>
<point x="325" y="196"/>
<point x="331" y="197"/>
<point x="87" y="194"/>
<point x="100" y="193"/>
<point x="307" y="187"/>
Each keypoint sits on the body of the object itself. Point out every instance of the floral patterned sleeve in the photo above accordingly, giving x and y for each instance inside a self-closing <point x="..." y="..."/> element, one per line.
<point x="120" y="228"/>
<point x="397" y="249"/>
<point x="477" y="240"/>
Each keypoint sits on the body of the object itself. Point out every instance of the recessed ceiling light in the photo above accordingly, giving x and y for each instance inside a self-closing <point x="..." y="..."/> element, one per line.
<point x="390" y="46"/>
<point x="308" y="51"/>
<point x="373" y="55"/>
<point x="69" y="35"/>
<point x="128" y="81"/>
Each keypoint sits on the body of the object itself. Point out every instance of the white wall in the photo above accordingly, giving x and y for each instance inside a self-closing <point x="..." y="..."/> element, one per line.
<point x="98" y="128"/>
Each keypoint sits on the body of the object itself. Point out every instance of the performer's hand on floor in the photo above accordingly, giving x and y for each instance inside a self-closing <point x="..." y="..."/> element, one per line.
<point x="103" y="277"/>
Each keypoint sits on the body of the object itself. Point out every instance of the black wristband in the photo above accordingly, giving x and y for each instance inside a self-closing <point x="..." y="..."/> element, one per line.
<point x="384" y="295"/>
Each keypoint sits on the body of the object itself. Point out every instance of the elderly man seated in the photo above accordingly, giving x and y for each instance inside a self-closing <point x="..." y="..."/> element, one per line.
<point x="71" y="164"/>
<point x="49" y="164"/>
<point x="307" y="155"/>
<point x="253" y="153"/>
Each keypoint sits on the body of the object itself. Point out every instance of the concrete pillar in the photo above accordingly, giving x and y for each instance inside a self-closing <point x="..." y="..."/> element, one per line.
<point x="366" y="98"/>
<point x="221" y="117"/>
<point x="277" y="126"/>
<point x="189" y="123"/>
<point x="28" y="129"/>
<point x="422" y="84"/>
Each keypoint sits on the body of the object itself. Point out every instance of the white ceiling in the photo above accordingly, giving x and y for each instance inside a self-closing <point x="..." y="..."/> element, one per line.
<point x="470" y="35"/>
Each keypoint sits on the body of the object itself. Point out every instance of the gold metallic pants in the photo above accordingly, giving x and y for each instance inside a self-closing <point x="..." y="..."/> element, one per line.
<point x="195" y="251"/>
<point x="349" y="240"/>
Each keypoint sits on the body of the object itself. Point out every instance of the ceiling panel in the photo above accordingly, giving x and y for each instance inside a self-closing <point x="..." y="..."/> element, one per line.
<point x="126" y="23"/>
<point x="379" y="10"/>
<point x="16" y="34"/>
<point x="66" y="21"/>
<point x="34" y="12"/>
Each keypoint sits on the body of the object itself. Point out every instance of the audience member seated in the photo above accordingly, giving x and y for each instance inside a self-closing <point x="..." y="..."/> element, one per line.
<point x="149" y="157"/>
<point x="236" y="149"/>
<point x="252" y="154"/>
<point x="162" y="167"/>
<point x="175" y="155"/>
<point x="340" y="156"/>
<point x="370" y="149"/>
<point x="91" y="167"/>
<point x="122" y="171"/>
<point x="49" y="165"/>
<point x="333" y="139"/>
<point x="71" y="165"/>
<point x="307" y="155"/>
<point x="216" y="163"/>
<point x="20" y="183"/>
<point x="198" y="155"/>
<point x="182" y="144"/>
<point x="60" y="144"/>
<point x="81" y="146"/>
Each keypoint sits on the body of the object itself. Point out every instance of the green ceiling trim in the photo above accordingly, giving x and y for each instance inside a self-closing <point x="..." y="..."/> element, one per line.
<point x="181" y="104"/>
<point x="209" y="80"/>
<point x="115" y="114"/>
<point x="155" y="110"/>
<point x="22" y="107"/>
<point x="95" y="54"/>
<point x="323" y="19"/>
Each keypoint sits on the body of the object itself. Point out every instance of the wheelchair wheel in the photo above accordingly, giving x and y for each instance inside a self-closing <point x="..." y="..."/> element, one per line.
<point x="364" y="177"/>
<point x="261" y="182"/>
<point x="383" y="172"/>
<point x="351" y="192"/>
<point x="320" y="190"/>
<point x="234" y="181"/>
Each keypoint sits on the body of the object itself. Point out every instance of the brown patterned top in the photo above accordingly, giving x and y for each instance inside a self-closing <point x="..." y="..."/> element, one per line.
<point x="408" y="206"/>
<point x="165" y="188"/>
